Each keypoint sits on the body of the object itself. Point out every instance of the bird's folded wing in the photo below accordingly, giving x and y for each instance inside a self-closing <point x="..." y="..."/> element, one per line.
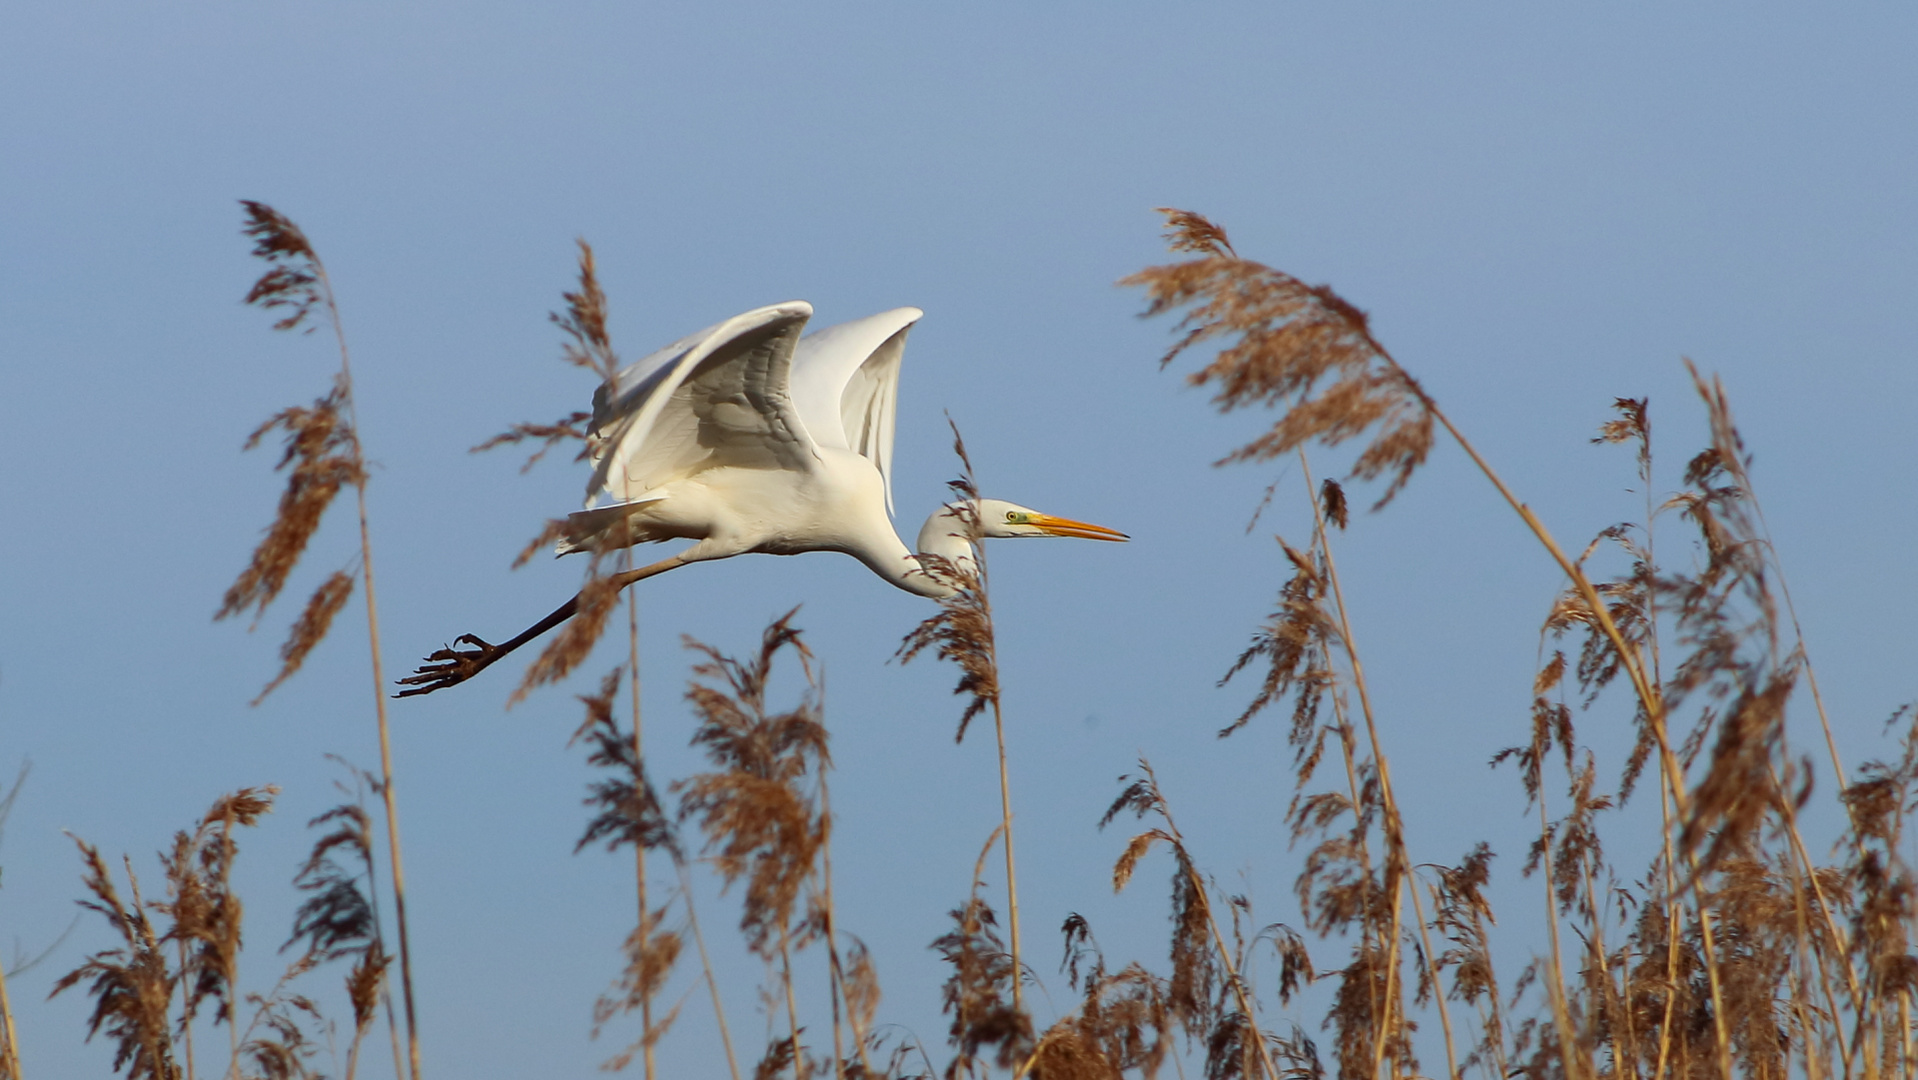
<point x="845" y="383"/>
<point x="718" y="397"/>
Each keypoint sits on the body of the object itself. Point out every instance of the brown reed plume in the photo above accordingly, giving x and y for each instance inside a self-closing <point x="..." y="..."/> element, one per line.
<point x="1123" y="1022"/>
<point x="760" y="809"/>
<point x="1299" y="346"/>
<point x="340" y="918"/>
<point x="134" y="985"/>
<point x="962" y="633"/>
<point x="323" y="454"/>
<point x="588" y="346"/>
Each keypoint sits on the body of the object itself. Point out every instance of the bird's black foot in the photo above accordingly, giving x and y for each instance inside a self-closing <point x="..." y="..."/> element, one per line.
<point x="451" y="666"/>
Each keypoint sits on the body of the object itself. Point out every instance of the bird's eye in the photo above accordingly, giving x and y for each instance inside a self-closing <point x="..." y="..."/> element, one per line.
<point x="1014" y="516"/>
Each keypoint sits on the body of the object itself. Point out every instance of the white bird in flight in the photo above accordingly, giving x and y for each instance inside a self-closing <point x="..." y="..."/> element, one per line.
<point x="746" y="437"/>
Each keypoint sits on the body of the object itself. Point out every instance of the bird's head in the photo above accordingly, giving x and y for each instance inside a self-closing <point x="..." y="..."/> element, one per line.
<point x="998" y="518"/>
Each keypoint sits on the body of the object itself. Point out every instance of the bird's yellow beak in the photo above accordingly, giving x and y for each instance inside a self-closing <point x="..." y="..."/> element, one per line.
<point x="1058" y="526"/>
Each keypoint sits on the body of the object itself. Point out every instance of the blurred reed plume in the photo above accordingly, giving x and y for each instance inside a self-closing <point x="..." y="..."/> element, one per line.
<point x="322" y="448"/>
<point x="588" y="346"/>
<point x="322" y="455"/>
<point x="340" y="918"/>
<point x="180" y="953"/>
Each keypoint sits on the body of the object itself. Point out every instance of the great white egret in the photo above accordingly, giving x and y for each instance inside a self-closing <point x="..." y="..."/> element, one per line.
<point x="747" y="437"/>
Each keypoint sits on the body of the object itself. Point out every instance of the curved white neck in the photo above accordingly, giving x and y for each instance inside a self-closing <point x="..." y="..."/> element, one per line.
<point x="898" y="565"/>
<point x="944" y="535"/>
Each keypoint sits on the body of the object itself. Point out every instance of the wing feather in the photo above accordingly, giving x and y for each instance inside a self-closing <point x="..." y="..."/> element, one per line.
<point x="845" y="384"/>
<point x="718" y="397"/>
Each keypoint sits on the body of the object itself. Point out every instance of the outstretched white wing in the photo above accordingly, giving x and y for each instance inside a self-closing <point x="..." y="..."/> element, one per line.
<point x="718" y="397"/>
<point x="845" y="384"/>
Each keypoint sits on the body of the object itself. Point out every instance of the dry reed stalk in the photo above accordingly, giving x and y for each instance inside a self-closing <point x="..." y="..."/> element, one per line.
<point x="324" y="452"/>
<point x="340" y="918"/>
<point x="962" y="632"/>
<point x="1460" y="913"/>
<point x="1340" y="888"/>
<point x="9" y="1037"/>
<point x="588" y="345"/>
<point x="639" y="754"/>
<point x="857" y="991"/>
<point x="1331" y="505"/>
<point x="639" y="853"/>
<point x="706" y="965"/>
<point x="983" y="973"/>
<point x="9" y="1054"/>
<point x="629" y="813"/>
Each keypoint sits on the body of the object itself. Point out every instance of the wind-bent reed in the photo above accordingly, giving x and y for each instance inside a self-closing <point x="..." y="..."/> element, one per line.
<point x="1736" y="925"/>
<point x="323" y="448"/>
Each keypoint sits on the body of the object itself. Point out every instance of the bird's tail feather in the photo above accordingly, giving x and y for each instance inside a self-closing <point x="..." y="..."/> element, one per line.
<point x="585" y="529"/>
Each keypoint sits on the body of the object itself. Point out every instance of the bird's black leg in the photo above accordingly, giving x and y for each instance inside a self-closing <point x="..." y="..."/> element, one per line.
<point x="452" y="665"/>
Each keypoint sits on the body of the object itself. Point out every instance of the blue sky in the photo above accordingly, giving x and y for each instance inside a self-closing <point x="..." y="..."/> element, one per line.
<point x="1542" y="208"/>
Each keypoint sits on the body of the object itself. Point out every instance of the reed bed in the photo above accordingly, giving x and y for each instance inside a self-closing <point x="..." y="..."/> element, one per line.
<point x="1740" y="947"/>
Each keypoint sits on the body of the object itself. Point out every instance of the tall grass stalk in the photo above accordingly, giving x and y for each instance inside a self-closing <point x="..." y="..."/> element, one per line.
<point x="706" y="970"/>
<point x="1012" y="872"/>
<point x="396" y="865"/>
<point x="323" y="446"/>
<point x="639" y="850"/>
<point x="9" y="1046"/>
<point x="10" y="1053"/>
<point x="963" y="632"/>
<point x="1402" y="876"/>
